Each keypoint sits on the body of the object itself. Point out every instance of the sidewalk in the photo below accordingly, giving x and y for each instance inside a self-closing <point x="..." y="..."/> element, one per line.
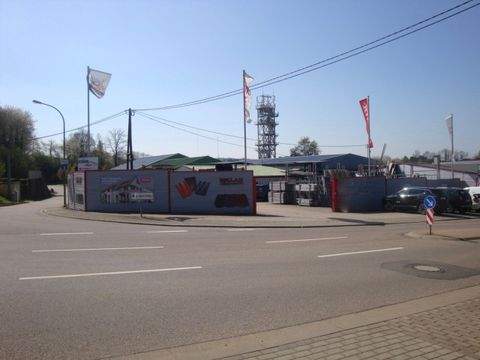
<point x="269" y="216"/>
<point x="442" y="327"/>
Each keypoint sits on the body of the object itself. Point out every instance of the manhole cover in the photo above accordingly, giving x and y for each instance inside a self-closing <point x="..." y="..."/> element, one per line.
<point x="427" y="268"/>
<point x="430" y="269"/>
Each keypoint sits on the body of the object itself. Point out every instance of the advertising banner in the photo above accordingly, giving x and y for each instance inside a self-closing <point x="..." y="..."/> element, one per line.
<point x="70" y="192"/>
<point x="79" y="190"/>
<point x="127" y="191"/>
<point x="212" y="192"/>
<point x="88" y="163"/>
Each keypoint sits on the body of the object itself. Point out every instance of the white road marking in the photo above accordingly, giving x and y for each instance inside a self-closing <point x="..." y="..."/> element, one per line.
<point x="166" y="231"/>
<point x="71" y="233"/>
<point x="360" y="252"/>
<point x="100" y="249"/>
<point x="305" y="240"/>
<point x="108" y="273"/>
<point x="241" y="229"/>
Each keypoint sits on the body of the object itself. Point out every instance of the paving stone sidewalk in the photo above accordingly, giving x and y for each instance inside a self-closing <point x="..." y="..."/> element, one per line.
<point x="445" y="333"/>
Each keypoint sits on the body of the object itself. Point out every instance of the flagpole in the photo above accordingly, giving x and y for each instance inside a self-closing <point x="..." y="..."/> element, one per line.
<point x="369" y="122"/>
<point x="244" y="125"/>
<point x="453" y="156"/>
<point x="88" y="111"/>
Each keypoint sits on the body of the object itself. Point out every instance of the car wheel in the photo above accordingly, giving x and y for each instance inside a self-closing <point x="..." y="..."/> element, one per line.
<point x="389" y="206"/>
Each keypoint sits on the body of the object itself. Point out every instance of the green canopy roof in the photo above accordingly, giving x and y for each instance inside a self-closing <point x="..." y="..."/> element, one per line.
<point x="178" y="162"/>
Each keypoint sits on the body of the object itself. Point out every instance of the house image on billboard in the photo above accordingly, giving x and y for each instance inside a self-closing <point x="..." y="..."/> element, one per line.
<point x="127" y="191"/>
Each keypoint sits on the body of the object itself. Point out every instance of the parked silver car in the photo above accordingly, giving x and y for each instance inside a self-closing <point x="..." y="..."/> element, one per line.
<point x="474" y="192"/>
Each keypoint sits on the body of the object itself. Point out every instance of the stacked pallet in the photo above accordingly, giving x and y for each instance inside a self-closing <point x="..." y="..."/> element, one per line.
<point x="281" y="192"/>
<point x="308" y="194"/>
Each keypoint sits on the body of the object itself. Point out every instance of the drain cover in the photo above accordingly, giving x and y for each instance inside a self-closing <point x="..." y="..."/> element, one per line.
<point x="430" y="269"/>
<point x="427" y="268"/>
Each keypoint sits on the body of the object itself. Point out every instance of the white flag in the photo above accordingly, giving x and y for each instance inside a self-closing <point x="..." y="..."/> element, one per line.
<point x="98" y="82"/>
<point x="449" y="121"/>
<point x="247" y="97"/>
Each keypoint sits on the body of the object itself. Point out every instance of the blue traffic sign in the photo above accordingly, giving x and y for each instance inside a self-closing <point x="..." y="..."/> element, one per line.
<point x="429" y="202"/>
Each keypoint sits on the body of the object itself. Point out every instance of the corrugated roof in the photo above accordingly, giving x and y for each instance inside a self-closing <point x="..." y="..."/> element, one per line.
<point x="296" y="159"/>
<point x="258" y="170"/>
<point x="291" y="159"/>
<point x="149" y="160"/>
<point x="177" y="162"/>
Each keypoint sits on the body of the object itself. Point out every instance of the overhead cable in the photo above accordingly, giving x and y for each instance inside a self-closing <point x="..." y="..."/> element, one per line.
<point x="333" y="59"/>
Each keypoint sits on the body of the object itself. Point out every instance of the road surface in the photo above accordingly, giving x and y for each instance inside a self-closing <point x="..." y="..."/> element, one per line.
<point x="84" y="289"/>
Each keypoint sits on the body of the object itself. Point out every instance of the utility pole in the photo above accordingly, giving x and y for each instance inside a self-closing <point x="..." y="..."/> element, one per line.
<point x="449" y="121"/>
<point x="88" y="111"/>
<point x="368" y="145"/>
<point x="9" y="173"/>
<point x="129" y="142"/>
<point x="244" y="125"/>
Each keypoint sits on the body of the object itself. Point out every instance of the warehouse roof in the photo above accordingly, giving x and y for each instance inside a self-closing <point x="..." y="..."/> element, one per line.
<point x="258" y="170"/>
<point x="181" y="161"/>
<point x="299" y="159"/>
<point x="149" y="161"/>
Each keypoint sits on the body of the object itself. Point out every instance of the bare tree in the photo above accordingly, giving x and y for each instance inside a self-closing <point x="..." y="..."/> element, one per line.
<point x="117" y="143"/>
<point x="51" y="148"/>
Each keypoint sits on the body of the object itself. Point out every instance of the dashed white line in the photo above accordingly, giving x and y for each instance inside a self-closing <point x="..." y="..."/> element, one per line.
<point x="241" y="229"/>
<point x="67" y="233"/>
<point x="305" y="240"/>
<point x="166" y="231"/>
<point x="99" y="249"/>
<point x="360" y="252"/>
<point x="108" y="273"/>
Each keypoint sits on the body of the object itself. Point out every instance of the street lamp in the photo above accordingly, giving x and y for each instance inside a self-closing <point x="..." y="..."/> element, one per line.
<point x="64" y="175"/>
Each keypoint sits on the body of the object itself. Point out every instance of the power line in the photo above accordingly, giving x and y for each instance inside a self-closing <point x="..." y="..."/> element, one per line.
<point x="190" y="132"/>
<point x="331" y="60"/>
<point x="237" y="136"/>
<point x="84" y="126"/>
<point x="303" y="70"/>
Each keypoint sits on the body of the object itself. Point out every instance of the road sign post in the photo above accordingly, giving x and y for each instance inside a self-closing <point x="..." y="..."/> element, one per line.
<point x="429" y="203"/>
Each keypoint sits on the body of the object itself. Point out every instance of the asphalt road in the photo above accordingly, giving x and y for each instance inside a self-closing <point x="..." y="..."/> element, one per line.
<point x="88" y="290"/>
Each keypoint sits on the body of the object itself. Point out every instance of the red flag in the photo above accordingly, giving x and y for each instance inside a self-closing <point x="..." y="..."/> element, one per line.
<point x="365" y="105"/>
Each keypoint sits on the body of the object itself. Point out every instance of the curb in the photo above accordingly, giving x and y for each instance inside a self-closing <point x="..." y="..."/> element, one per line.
<point x="152" y="223"/>
<point x="217" y="349"/>
<point x="440" y="237"/>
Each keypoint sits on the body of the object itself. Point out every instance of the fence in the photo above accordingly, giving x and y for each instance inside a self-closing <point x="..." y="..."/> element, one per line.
<point x="161" y="191"/>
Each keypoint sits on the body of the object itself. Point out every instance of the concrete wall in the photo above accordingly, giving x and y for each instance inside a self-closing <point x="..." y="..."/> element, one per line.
<point x="127" y="191"/>
<point x="212" y="192"/>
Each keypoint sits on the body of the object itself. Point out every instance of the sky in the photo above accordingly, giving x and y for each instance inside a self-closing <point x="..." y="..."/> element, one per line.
<point x="167" y="52"/>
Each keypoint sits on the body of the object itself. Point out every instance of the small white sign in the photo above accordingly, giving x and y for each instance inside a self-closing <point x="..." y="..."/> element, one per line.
<point x="141" y="196"/>
<point x="64" y="162"/>
<point x="88" y="163"/>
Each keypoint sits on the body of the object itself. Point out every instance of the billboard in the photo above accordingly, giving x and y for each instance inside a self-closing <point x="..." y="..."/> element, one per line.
<point x="88" y="163"/>
<point x="212" y="192"/>
<point x="127" y="191"/>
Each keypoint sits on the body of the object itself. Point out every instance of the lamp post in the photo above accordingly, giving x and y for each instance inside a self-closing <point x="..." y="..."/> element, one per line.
<point x="64" y="175"/>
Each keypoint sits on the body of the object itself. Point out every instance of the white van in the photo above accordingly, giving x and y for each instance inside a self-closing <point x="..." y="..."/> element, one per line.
<point x="474" y="192"/>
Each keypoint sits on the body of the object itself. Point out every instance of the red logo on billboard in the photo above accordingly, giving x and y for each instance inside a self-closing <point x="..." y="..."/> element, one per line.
<point x="189" y="185"/>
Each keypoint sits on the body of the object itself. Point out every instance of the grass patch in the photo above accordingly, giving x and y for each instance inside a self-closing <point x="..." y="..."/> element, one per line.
<point x="4" y="201"/>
